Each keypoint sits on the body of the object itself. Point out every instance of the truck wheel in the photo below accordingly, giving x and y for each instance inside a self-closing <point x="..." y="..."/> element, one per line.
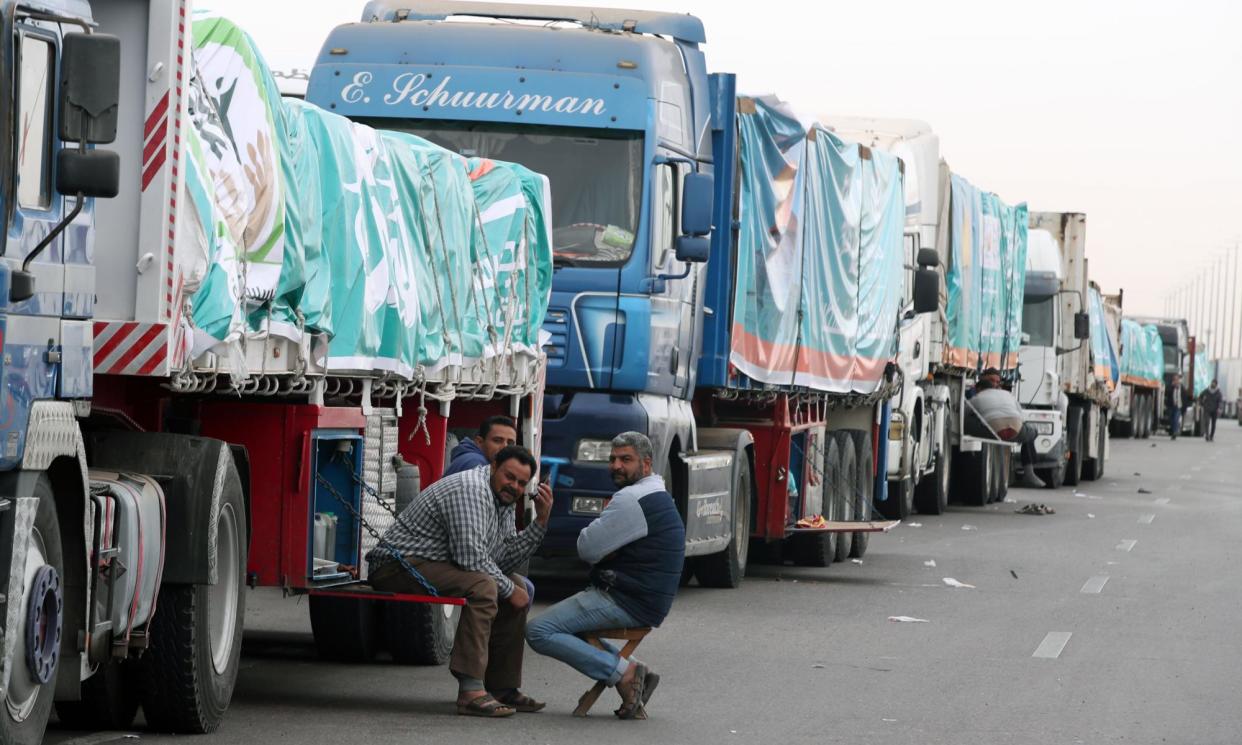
<point x="818" y="549"/>
<point x="1073" y="436"/>
<point x="847" y="480"/>
<point x="189" y="671"/>
<point x="109" y="700"/>
<point x="420" y="633"/>
<point x="1093" y="468"/>
<point x="864" y="489"/>
<point x="1004" y="471"/>
<point x="976" y="476"/>
<point x="728" y="567"/>
<point x="900" y="502"/>
<point x="931" y="495"/>
<point x="1140" y="421"/>
<point x="345" y="629"/>
<point x="28" y="698"/>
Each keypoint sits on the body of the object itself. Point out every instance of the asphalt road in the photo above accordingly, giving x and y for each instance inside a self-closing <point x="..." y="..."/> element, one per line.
<point x="1117" y="619"/>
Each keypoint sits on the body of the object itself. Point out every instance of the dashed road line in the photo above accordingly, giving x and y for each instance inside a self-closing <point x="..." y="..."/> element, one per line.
<point x="1147" y="518"/>
<point x="1052" y="645"/>
<point x="1126" y="545"/>
<point x="1162" y="501"/>
<point x="1095" y="585"/>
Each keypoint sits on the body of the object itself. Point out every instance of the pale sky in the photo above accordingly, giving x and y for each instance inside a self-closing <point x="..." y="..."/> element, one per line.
<point x="1128" y="111"/>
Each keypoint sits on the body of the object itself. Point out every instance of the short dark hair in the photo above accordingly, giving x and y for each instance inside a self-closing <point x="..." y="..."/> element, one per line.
<point x="983" y="384"/>
<point x="486" y="427"/>
<point x="520" y="454"/>
<point x="991" y="371"/>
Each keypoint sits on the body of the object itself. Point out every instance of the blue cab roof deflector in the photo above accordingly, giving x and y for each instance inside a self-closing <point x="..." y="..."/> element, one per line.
<point x="683" y="27"/>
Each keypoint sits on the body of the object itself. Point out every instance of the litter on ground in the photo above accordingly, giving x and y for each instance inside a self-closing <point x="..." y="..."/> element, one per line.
<point x="907" y="619"/>
<point x="1035" y="509"/>
<point x="954" y="583"/>
<point x="929" y="563"/>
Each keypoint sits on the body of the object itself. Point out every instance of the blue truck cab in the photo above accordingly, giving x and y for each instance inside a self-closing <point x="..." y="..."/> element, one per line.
<point x="616" y="108"/>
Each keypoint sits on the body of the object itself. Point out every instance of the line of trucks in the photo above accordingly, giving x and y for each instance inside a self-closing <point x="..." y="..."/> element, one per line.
<point x="239" y="330"/>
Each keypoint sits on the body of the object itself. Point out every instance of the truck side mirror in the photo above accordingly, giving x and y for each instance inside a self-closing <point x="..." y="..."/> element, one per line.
<point x="1082" y="326"/>
<point x="696" y="205"/>
<point x="692" y="249"/>
<point x="928" y="258"/>
<point x="90" y="88"/>
<point x="90" y="173"/>
<point x="926" y="291"/>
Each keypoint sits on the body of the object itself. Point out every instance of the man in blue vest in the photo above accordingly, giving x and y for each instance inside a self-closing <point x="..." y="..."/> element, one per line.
<point x="495" y="433"/>
<point x="636" y="549"/>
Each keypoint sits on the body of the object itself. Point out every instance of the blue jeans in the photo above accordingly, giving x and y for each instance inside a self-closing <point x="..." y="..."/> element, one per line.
<point x="1175" y="421"/>
<point x="554" y="634"/>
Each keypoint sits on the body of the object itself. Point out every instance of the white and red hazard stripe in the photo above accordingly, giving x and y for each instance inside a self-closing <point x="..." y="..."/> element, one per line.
<point x="130" y="348"/>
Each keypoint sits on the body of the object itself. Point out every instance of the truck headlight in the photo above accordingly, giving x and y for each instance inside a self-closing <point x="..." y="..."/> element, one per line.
<point x="587" y="505"/>
<point x="593" y="451"/>
<point x="1043" y="428"/>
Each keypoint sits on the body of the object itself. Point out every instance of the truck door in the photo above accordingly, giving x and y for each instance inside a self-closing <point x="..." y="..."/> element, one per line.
<point x="34" y="324"/>
<point x="673" y="302"/>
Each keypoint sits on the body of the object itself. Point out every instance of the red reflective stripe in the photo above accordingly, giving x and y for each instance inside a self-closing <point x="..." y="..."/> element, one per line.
<point x="153" y="168"/>
<point x="155" y="116"/>
<point x="136" y="349"/>
<point x="102" y="353"/>
<point x="149" y="366"/>
<point x="155" y="142"/>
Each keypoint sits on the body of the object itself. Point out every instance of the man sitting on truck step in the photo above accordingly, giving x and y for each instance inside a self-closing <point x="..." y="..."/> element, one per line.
<point x="495" y="433"/>
<point x="461" y="536"/>
<point x="636" y="549"/>
<point x="997" y="406"/>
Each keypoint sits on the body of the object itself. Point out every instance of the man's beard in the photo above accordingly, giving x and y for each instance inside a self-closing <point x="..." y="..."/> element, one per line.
<point x="623" y="479"/>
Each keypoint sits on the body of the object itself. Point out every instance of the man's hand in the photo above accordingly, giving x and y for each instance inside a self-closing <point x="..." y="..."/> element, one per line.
<point x="518" y="598"/>
<point x="543" y="504"/>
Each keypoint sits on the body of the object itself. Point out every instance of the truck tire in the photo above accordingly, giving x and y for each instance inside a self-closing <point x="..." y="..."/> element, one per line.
<point x="109" y="700"/>
<point x="345" y="629"/>
<point x="189" y="671"/>
<point x="1132" y="428"/>
<point x="844" y="495"/>
<point x="1145" y="418"/>
<point x="975" y="473"/>
<point x="819" y="549"/>
<point x="28" y="703"/>
<point x="931" y="494"/>
<point x="1093" y="468"/>
<point x="1004" y="472"/>
<point x="420" y="633"/>
<point x="900" y="502"/>
<point x="1074" y="440"/>
<point x="727" y="568"/>
<point x="864" y="489"/>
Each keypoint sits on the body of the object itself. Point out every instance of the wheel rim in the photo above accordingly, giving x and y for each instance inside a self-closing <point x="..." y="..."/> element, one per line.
<point x="23" y="692"/>
<point x="223" y="595"/>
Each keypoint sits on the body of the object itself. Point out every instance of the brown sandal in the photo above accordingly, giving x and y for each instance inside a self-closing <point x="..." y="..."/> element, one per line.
<point x="521" y="702"/>
<point x="484" y="706"/>
<point x="632" y="705"/>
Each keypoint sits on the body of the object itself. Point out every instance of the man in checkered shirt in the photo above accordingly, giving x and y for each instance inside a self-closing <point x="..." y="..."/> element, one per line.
<point x="461" y="535"/>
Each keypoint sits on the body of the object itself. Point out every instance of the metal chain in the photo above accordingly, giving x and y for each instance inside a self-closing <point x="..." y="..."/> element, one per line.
<point x="380" y="542"/>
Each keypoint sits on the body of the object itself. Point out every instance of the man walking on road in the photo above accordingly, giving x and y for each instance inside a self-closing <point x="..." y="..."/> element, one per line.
<point x="460" y="535"/>
<point x="1210" y="401"/>
<point x="1175" y="402"/>
<point x="636" y="549"/>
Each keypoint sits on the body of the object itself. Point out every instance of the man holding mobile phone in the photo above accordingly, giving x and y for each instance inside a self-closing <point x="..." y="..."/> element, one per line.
<point x="461" y="534"/>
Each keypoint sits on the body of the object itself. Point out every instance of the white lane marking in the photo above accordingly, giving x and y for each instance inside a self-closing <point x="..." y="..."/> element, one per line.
<point x="1187" y="477"/>
<point x="1052" y="645"/>
<point x="1162" y="501"/>
<point x="1196" y="468"/>
<point x="1095" y="584"/>
<point x="1126" y="545"/>
<point x="1146" y="519"/>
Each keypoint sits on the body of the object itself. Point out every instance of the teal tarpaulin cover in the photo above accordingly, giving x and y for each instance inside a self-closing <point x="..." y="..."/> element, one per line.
<point x="985" y="277"/>
<point x="1103" y="356"/>
<point x="819" y="255"/>
<point x="1142" y="354"/>
<point x="399" y="253"/>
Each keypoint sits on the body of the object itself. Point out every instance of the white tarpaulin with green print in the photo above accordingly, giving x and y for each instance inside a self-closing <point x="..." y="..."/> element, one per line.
<point x="401" y="254"/>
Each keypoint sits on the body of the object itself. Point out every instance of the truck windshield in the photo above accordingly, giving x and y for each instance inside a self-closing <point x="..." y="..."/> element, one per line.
<point x="596" y="178"/>
<point x="1038" y="314"/>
